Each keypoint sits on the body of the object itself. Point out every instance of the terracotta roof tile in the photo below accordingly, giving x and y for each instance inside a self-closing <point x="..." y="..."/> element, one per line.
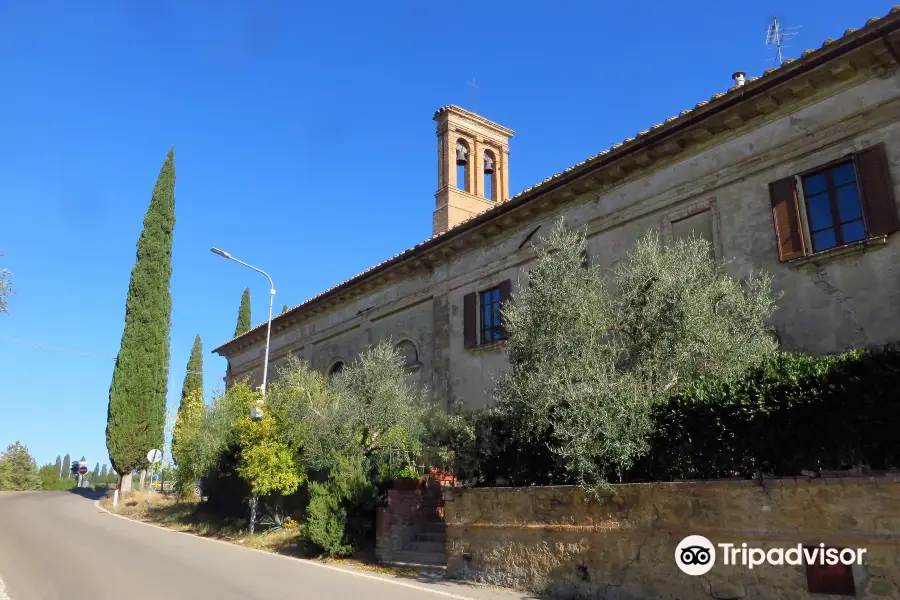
<point x="714" y="98"/>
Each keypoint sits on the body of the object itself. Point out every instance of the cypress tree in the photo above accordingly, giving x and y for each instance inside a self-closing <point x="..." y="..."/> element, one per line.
<point x="137" y="395"/>
<point x="284" y="309"/>
<point x="191" y="394"/>
<point x="58" y="466"/>
<point x="96" y="472"/>
<point x="66" y="466"/>
<point x="243" y="321"/>
<point x="103" y="471"/>
<point x="193" y="379"/>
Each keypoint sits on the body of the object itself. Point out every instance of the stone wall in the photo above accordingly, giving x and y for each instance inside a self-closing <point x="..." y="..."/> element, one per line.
<point x="622" y="546"/>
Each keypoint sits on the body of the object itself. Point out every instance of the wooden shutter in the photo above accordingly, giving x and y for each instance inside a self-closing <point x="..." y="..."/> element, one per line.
<point x="877" y="191"/>
<point x="786" y="215"/>
<point x="505" y="296"/>
<point x="470" y="331"/>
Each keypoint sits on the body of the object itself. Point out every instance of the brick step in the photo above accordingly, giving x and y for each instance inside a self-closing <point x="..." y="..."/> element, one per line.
<point x="429" y="536"/>
<point x="424" y="547"/>
<point x="419" y="558"/>
<point x="432" y="527"/>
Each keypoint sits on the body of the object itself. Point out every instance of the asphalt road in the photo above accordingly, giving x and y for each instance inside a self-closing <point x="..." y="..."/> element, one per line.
<point x="61" y="546"/>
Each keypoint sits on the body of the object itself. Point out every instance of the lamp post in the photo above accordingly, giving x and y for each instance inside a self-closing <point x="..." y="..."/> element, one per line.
<point x="256" y="411"/>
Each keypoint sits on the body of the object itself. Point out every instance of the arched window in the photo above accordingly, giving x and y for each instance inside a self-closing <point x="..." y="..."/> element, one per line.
<point x="490" y="166"/>
<point x="462" y="165"/>
<point x="336" y="368"/>
<point x="408" y="352"/>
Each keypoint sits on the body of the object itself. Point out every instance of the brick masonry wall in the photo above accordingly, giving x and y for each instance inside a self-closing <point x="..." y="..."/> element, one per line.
<point x="622" y="546"/>
<point x="407" y="511"/>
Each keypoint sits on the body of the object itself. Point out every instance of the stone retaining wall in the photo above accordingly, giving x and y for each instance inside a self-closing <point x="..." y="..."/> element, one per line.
<point x="622" y="546"/>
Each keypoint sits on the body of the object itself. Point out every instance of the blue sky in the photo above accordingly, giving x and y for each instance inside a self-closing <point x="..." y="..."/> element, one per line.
<point x="304" y="144"/>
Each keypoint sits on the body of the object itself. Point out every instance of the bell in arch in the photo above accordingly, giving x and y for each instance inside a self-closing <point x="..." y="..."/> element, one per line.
<point x="488" y="165"/>
<point x="462" y="154"/>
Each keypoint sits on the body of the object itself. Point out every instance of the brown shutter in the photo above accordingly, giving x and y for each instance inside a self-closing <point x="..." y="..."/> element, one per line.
<point x="783" y="194"/>
<point x="470" y="332"/>
<point x="505" y="296"/>
<point x="877" y="191"/>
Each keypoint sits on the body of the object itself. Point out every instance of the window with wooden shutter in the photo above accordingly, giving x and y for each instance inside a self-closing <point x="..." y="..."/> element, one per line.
<point x="470" y="332"/>
<point x="877" y="189"/>
<point x="834" y="213"/>
<point x="505" y="296"/>
<point x="785" y="212"/>
<point x="844" y="202"/>
<point x="489" y="308"/>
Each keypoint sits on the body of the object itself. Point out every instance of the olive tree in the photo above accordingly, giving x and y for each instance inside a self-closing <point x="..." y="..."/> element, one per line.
<point x="591" y="351"/>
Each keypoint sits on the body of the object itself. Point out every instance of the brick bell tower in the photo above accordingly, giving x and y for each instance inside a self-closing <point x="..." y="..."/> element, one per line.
<point x="473" y="166"/>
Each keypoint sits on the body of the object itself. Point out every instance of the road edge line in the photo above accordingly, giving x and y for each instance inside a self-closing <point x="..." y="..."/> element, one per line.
<point x="4" y="593"/>
<point x="282" y="556"/>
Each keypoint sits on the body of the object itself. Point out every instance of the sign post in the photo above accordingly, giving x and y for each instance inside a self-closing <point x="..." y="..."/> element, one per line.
<point x="153" y="457"/>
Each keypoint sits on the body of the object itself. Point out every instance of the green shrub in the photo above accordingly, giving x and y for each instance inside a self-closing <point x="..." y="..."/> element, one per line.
<point x="793" y="413"/>
<point x="340" y="517"/>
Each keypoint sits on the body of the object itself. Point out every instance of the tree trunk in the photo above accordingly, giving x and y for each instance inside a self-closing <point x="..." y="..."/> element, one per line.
<point x="143" y="480"/>
<point x="125" y="484"/>
<point x="254" y="500"/>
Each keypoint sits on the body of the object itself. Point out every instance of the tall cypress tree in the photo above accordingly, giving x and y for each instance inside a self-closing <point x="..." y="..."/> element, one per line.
<point x="193" y="379"/>
<point x="96" y="472"/>
<point x="66" y="466"/>
<point x="284" y="309"/>
<point x="137" y="396"/>
<point x="191" y="398"/>
<point x="103" y="471"/>
<point x="243" y="322"/>
<point x="58" y="466"/>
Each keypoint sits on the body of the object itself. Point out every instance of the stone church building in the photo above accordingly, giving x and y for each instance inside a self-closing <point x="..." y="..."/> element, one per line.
<point x="795" y="172"/>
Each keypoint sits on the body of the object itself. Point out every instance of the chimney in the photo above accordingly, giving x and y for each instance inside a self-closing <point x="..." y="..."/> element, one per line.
<point x="739" y="78"/>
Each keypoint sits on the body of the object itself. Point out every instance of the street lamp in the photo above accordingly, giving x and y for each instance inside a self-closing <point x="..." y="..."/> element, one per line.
<point x="256" y="411"/>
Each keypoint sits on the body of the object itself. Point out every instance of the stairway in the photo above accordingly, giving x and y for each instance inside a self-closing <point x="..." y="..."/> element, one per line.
<point x="426" y="545"/>
<point x="412" y="528"/>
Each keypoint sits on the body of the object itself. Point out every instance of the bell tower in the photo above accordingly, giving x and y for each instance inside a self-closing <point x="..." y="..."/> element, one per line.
<point x="473" y="166"/>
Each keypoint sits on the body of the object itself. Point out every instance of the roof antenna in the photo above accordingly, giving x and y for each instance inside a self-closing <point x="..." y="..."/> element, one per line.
<point x="776" y="35"/>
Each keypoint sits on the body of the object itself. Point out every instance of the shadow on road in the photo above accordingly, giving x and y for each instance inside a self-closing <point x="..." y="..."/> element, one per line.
<point x="88" y="493"/>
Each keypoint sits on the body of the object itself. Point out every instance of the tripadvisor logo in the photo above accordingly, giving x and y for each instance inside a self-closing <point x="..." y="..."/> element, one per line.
<point x="696" y="555"/>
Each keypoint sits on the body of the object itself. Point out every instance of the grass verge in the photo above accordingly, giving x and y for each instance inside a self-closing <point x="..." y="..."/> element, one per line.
<point x="188" y="516"/>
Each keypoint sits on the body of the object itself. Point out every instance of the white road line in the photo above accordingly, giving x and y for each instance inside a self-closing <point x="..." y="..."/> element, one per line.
<point x="3" y="594"/>
<point x="295" y="560"/>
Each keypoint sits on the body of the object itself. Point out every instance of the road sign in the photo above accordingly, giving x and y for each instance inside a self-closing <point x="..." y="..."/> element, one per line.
<point x="83" y="469"/>
<point x="154" y="456"/>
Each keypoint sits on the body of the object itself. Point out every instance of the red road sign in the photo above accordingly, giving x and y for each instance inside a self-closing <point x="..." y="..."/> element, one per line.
<point x="83" y="469"/>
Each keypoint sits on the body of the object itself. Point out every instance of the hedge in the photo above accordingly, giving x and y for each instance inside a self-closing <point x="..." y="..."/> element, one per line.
<point x="795" y="413"/>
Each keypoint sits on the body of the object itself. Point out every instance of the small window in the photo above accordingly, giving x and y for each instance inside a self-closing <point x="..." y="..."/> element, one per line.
<point x="833" y="208"/>
<point x="830" y="579"/>
<point x="490" y="316"/>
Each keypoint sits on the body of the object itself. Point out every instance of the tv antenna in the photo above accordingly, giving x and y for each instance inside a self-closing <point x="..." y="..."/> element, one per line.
<point x="776" y="35"/>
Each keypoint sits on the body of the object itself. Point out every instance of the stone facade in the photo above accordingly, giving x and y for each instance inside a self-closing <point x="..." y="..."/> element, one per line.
<point x="622" y="546"/>
<point x="710" y="171"/>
